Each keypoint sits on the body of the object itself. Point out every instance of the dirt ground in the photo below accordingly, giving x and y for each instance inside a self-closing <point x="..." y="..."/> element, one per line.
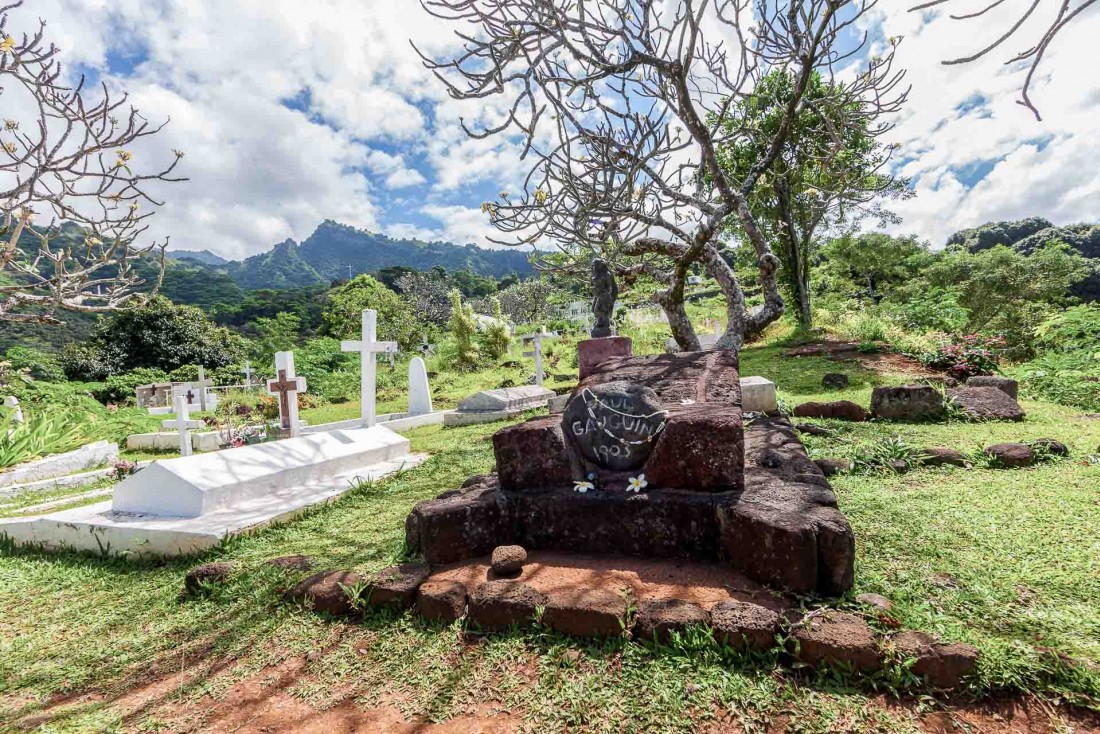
<point x="882" y="362"/>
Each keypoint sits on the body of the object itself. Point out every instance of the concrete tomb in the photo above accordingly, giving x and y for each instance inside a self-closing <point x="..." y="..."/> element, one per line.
<point x="185" y="505"/>
<point x="503" y="403"/>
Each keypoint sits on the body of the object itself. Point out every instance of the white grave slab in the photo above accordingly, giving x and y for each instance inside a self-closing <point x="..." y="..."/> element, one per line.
<point x="185" y="505"/>
<point x="170" y="441"/>
<point x="420" y="393"/>
<point x="503" y="403"/>
<point x="758" y="395"/>
<point x="100" y="453"/>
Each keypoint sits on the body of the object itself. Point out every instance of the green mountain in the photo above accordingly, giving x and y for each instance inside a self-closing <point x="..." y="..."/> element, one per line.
<point x="280" y="268"/>
<point x="204" y="257"/>
<point x="1027" y="235"/>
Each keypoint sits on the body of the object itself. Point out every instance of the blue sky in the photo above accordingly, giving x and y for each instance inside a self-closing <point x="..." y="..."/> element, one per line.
<point x="292" y="113"/>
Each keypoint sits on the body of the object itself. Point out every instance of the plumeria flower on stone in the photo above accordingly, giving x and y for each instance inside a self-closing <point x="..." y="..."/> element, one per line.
<point x="636" y="484"/>
<point x="583" y="487"/>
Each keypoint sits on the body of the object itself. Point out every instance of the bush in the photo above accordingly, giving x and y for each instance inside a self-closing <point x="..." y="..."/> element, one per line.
<point x="42" y="365"/>
<point x="967" y="356"/>
<point x="42" y="434"/>
<point x="120" y="389"/>
<point x="496" y="338"/>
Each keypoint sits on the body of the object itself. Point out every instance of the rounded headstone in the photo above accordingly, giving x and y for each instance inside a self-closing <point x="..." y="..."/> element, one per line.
<point x="615" y="424"/>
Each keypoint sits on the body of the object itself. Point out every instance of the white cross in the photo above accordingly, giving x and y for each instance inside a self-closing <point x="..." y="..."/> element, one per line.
<point x="537" y="353"/>
<point x="182" y="417"/>
<point x="202" y="388"/>
<point x="287" y="385"/>
<point x="247" y="371"/>
<point x="367" y="348"/>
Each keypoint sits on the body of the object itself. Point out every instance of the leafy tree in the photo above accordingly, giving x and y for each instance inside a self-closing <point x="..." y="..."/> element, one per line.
<point x="496" y="338"/>
<point x="428" y="296"/>
<point x="531" y="301"/>
<point x="829" y="170"/>
<point x="342" y="315"/>
<point x="869" y="264"/>
<point x="997" y="285"/>
<point x="463" y="328"/>
<point x="159" y="335"/>
<point x="278" y="334"/>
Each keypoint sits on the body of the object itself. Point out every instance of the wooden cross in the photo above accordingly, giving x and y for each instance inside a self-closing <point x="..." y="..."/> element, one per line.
<point x="287" y="386"/>
<point x="368" y="348"/>
<point x="190" y="397"/>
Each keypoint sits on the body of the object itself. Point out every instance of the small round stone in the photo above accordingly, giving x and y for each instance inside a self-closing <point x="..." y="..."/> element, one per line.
<point x="508" y="560"/>
<point x="207" y="573"/>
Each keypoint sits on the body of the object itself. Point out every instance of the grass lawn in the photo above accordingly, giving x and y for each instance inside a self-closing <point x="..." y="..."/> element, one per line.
<point x="1008" y="560"/>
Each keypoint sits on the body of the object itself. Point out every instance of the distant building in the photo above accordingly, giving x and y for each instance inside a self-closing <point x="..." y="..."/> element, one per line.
<point x="695" y="280"/>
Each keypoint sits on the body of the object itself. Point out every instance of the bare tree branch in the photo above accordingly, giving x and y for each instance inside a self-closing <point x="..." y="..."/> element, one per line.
<point x="71" y="193"/>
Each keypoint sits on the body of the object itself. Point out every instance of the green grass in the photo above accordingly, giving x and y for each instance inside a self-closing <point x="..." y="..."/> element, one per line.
<point x="1008" y="560"/>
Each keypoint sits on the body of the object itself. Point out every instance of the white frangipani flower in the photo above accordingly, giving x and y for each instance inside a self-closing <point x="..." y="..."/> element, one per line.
<point x="583" y="487"/>
<point x="637" y="484"/>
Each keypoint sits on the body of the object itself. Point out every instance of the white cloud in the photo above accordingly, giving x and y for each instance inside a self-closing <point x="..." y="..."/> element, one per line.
<point x="261" y="171"/>
<point x="942" y="146"/>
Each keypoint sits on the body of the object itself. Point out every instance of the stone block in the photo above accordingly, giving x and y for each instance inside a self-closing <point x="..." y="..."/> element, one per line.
<point x="507" y="560"/>
<point x="678" y="379"/>
<point x="295" y="562"/>
<point x="835" y="380"/>
<point x="613" y="424"/>
<point x="987" y="404"/>
<point x="943" y="665"/>
<point x="832" y="467"/>
<point x="907" y="403"/>
<point x="593" y="352"/>
<point x="461" y="525"/>
<point x="327" y="591"/>
<point x="659" y="618"/>
<point x="744" y="625"/>
<point x="441" y="600"/>
<point x="937" y="456"/>
<point x="1011" y="455"/>
<point x="595" y="613"/>
<point x="456" y="418"/>
<point x="658" y="524"/>
<point x="758" y="395"/>
<point x="396" y="585"/>
<point x="836" y="638"/>
<point x="207" y="573"/>
<point x="532" y="454"/>
<point x="1006" y="385"/>
<point x="843" y="410"/>
<point x="701" y="448"/>
<point x="497" y="605"/>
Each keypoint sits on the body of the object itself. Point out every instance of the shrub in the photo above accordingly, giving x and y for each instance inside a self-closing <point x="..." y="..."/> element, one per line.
<point x="42" y="434"/>
<point x="496" y="338"/>
<point x="463" y="327"/>
<point x="41" y="365"/>
<point x="120" y="389"/>
<point x="967" y="356"/>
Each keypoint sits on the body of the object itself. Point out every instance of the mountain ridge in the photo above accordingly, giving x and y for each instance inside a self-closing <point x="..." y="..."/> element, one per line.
<point x="337" y="251"/>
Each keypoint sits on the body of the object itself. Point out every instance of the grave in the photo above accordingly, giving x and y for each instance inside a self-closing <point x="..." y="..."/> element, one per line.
<point x="367" y="348"/>
<point x="758" y="395"/>
<point x="42" y="473"/>
<point x="501" y="404"/>
<point x="186" y="505"/>
<point x="287" y="385"/>
<point x="420" y="394"/>
<point x="651" y="458"/>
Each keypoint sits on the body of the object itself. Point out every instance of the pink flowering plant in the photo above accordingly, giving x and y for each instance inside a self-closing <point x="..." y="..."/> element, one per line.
<point x="973" y="354"/>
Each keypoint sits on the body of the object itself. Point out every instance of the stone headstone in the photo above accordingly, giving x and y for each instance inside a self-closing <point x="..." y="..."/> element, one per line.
<point x="614" y="424"/>
<point x="907" y="403"/>
<point x="986" y="403"/>
<point x="286" y="386"/>
<point x="420" y="394"/>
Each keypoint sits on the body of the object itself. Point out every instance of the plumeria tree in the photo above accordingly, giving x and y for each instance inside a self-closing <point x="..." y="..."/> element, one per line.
<point x="1015" y="26"/>
<point x="74" y="195"/>
<point x="621" y="107"/>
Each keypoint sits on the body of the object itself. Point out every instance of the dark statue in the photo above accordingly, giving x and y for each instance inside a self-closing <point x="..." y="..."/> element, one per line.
<point x="604" y="293"/>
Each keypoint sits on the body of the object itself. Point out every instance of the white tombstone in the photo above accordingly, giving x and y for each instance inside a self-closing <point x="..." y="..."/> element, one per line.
<point x="181" y="424"/>
<point x="420" y="394"/>
<point x="202" y="388"/>
<point x="758" y="395"/>
<point x="367" y="349"/>
<point x="12" y="402"/>
<point x="286" y="386"/>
